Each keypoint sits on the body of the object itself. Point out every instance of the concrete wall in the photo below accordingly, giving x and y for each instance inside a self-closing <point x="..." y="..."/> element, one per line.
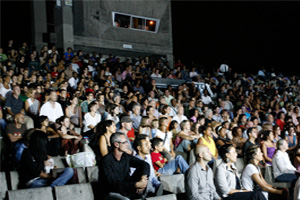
<point x="93" y="26"/>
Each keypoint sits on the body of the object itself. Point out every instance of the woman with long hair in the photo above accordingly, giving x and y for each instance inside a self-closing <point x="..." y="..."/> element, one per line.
<point x="268" y="146"/>
<point x="227" y="182"/>
<point x="252" y="178"/>
<point x="35" y="164"/>
<point x="101" y="145"/>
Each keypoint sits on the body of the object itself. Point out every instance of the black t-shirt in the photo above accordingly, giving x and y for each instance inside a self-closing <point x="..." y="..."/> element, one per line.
<point x="246" y="146"/>
<point x="12" y="129"/>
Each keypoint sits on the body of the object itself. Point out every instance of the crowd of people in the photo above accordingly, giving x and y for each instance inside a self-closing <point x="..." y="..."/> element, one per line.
<point x="52" y="101"/>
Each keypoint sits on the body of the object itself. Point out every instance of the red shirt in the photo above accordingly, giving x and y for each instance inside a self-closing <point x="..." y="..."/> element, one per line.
<point x="157" y="157"/>
<point x="130" y="134"/>
<point x="54" y="74"/>
<point x="281" y="124"/>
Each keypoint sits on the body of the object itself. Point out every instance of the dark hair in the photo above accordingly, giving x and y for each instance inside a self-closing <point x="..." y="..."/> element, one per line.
<point x="155" y="142"/>
<point x="138" y="141"/>
<point x="266" y="134"/>
<point x="225" y="149"/>
<point x="93" y="103"/>
<point x="42" y="118"/>
<point x="101" y="126"/>
<point x="37" y="145"/>
<point x="172" y="125"/>
<point x="251" y="151"/>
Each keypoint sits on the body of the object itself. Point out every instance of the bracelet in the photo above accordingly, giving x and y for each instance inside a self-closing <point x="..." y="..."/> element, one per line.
<point x="241" y="190"/>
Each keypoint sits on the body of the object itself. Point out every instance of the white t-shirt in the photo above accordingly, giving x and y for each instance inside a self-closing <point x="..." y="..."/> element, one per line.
<point x="90" y="120"/>
<point x="52" y="113"/>
<point x="161" y="135"/>
<point x="247" y="180"/>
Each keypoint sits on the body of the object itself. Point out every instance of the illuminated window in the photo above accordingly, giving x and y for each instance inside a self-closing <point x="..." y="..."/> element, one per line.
<point x="134" y="22"/>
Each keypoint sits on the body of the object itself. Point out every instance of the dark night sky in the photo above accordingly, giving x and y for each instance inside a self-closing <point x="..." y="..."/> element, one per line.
<point x="246" y="34"/>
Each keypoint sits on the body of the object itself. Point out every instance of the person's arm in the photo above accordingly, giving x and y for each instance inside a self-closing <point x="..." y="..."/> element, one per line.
<point x="80" y="117"/>
<point x="262" y="183"/>
<point x="185" y="136"/>
<point x="27" y="106"/>
<point x="103" y="146"/>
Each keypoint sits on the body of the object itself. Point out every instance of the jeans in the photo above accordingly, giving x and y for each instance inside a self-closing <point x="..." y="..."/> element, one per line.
<point x="291" y="178"/>
<point x="172" y="166"/>
<point x="66" y="175"/>
<point x="185" y="145"/>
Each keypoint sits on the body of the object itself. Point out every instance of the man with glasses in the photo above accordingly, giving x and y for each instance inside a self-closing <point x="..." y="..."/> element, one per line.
<point x="115" y="181"/>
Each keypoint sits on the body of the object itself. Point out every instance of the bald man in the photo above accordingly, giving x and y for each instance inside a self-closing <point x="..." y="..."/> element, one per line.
<point x="199" y="178"/>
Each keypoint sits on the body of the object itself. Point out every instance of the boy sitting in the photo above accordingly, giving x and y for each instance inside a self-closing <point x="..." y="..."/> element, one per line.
<point x="161" y="164"/>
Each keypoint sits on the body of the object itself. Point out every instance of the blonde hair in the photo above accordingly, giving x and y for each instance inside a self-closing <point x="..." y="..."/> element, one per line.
<point x="29" y="91"/>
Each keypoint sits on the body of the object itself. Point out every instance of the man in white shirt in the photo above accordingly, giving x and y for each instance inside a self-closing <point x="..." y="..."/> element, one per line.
<point x="156" y="74"/>
<point x="168" y="97"/>
<point x="52" y="109"/>
<point x="180" y="116"/>
<point x="283" y="169"/>
<point x="73" y="81"/>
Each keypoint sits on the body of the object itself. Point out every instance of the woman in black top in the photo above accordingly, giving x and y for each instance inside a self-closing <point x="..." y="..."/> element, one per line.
<point x="34" y="163"/>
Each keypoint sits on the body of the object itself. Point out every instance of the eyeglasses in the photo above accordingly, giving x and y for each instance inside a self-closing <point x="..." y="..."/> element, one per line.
<point x="122" y="142"/>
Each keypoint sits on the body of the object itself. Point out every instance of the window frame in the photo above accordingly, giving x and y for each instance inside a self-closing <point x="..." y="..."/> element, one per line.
<point x="157" y="22"/>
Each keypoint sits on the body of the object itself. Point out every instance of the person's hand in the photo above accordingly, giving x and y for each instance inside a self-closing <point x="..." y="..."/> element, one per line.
<point x="157" y="174"/>
<point x="173" y="154"/>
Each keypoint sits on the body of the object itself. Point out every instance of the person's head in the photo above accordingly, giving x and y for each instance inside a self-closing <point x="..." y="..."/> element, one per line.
<point x="180" y="110"/>
<point x="93" y="106"/>
<point x="282" y="145"/>
<point x="254" y="154"/>
<point x="163" y="122"/>
<point x="19" y="118"/>
<point x="154" y="123"/>
<point x="119" y="142"/>
<point x="145" y="121"/>
<point x="207" y="130"/>
<point x="64" y="121"/>
<point x="202" y="153"/>
<point x="107" y="126"/>
<point x="90" y="96"/>
<point x="221" y="131"/>
<point x="228" y="153"/>
<point x="141" y="145"/>
<point x="43" y="121"/>
<point x="53" y="96"/>
<point x="157" y="144"/>
<point x="16" y="90"/>
<point x="126" y="123"/>
<point x="136" y="109"/>
<point x="74" y="100"/>
<point x="31" y="93"/>
<point x="237" y="132"/>
<point x="252" y="132"/>
<point x="185" y="125"/>
<point x="166" y="110"/>
<point x="150" y="110"/>
<point x="173" y="125"/>
<point x="268" y="135"/>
